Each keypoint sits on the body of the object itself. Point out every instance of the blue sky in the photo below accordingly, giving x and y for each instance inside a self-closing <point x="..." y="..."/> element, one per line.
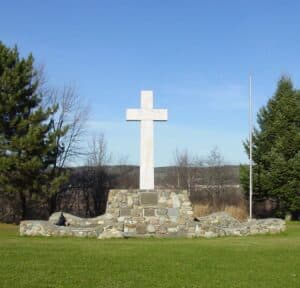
<point x="195" y="55"/>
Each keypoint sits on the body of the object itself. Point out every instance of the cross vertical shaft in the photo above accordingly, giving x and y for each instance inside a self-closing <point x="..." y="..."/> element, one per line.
<point x="146" y="155"/>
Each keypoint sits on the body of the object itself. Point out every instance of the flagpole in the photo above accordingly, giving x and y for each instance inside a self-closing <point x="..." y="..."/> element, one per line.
<point x="250" y="149"/>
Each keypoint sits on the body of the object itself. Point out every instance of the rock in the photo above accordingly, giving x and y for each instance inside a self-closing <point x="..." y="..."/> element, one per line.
<point x="150" y="228"/>
<point x="121" y="219"/>
<point x="162" y="200"/>
<point x="210" y="234"/>
<point x="113" y="233"/>
<point x="172" y="230"/>
<point x="129" y="201"/>
<point x="175" y="200"/>
<point x="162" y="230"/>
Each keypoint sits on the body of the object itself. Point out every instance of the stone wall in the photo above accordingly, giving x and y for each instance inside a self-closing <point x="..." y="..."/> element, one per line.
<point x="158" y="213"/>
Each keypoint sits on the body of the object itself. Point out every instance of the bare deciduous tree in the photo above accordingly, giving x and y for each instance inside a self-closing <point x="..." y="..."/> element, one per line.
<point x="98" y="155"/>
<point x="215" y="178"/>
<point x="72" y="116"/>
<point x="191" y="175"/>
<point x="187" y="169"/>
<point x="181" y="160"/>
<point x="97" y="160"/>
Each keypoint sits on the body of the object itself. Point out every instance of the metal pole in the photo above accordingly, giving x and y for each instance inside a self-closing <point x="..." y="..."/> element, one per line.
<point x="250" y="149"/>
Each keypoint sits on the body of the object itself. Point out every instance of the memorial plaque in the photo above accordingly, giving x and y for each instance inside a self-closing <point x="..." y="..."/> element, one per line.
<point x="161" y="211"/>
<point x="173" y="212"/>
<point x="141" y="228"/>
<point x="125" y="212"/>
<point x="148" y="212"/>
<point x="149" y="198"/>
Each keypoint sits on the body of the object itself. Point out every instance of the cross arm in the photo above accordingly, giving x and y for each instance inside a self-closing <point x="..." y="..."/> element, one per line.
<point x="146" y="114"/>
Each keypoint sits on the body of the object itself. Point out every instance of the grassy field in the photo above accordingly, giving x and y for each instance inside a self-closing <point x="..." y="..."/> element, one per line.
<point x="260" y="261"/>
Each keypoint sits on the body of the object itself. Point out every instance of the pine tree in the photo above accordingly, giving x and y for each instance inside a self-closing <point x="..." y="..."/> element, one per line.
<point x="28" y="145"/>
<point x="276" y="151"/>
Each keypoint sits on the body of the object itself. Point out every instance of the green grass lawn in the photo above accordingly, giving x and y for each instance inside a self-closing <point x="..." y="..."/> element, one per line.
<point x="257" y="261"/>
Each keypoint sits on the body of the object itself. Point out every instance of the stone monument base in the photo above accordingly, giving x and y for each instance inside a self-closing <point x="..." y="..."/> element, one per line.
<point x="149" y="213"/>
<point x="155" y="213"/>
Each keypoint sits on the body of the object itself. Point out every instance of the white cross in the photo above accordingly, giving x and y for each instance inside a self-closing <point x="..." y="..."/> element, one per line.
<point x="146" y="115"/>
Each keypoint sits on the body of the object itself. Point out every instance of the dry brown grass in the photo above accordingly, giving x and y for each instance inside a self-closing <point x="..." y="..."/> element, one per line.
<point x="202" y="209"/>
<point x="239" y="212"/>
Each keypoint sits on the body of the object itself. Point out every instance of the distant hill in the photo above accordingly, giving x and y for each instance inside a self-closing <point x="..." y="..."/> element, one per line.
<point x="164" y="176"/>
<point x="229" y="172"/>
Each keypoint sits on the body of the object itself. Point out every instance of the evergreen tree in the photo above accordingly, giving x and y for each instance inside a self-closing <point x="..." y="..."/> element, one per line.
<point x="28" y="147"/>
<point x="276" y="151"/>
